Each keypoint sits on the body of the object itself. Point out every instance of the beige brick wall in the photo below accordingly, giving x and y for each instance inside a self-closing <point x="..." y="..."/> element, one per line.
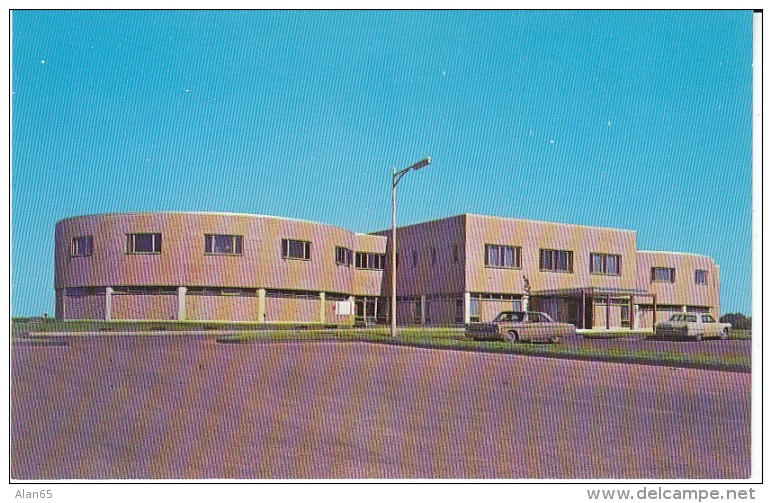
<point x="226" y="307"/>
<point x="85" y="307"/>
<point x="684" y="291"/>
<point x="292" y="309"/>
<point x="144" y="307"/>
<point x="532" y="236"/>
<point x="183" y="262"/>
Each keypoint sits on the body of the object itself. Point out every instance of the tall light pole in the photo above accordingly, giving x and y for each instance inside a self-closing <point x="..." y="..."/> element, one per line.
<point x="396" y="177"/>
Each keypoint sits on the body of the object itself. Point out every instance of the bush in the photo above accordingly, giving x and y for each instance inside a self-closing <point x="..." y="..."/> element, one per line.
<point x="738" y="320"/>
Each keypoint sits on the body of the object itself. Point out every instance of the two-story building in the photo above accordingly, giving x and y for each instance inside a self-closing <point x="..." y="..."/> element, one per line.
<point x="218" y="266"/>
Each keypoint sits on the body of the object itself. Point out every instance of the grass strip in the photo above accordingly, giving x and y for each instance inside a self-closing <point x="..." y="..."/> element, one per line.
<point x="438" y="338"/>
<point x="454" y="339"/>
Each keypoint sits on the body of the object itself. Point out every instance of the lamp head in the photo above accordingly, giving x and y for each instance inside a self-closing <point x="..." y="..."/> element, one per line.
<point x="422" y="163"/>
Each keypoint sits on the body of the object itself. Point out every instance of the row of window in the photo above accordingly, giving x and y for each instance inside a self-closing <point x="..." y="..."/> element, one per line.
<point x="667" y="275"/>
<point x="496" y="256"/>
<point x="510" y="257"/>
<point x="432" y="256"/>
<point x="227" y="244"/>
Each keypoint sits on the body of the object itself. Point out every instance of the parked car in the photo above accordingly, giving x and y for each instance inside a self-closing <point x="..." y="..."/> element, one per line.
<point x="693" y="325"/>
<point x="513" y="326"/>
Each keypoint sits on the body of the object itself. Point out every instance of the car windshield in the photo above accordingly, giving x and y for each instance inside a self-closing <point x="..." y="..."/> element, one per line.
<point x="540" y="317"/>
<point x="510" y="316"/>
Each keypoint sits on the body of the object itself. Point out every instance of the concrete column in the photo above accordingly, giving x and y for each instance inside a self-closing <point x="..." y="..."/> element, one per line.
<point x="108" y="303"/>
<point x="423" y="309"/>
<point x="467" y="307"/>
<point x="526" y="300"/>
<point x="351" y="304"/>
<point x="683" y="309"/>
<point x="261" y="305"/>
<point x="321" y="308"/>
<point x="182" y="291"/>
<point x="64" y="303"/>
<point x="635" y="314"/>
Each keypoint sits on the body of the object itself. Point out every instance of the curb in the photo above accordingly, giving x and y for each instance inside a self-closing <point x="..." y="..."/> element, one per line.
<point x="222" y="337"/>
<point x="514" y="351"/>
<point x="595" y="358"/>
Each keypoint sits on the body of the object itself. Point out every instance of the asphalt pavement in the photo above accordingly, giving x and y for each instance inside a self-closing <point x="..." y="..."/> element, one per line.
<point x="171" y="407"/>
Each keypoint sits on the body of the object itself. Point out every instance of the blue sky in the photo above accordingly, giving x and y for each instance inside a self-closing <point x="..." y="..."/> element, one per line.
<point x="639" y="120"/>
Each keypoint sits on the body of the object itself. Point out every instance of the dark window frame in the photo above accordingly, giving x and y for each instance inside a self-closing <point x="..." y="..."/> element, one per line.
<point x="549" y="260"/>
<point x="703" y="273"/>
<point x="369" y="261"/>
<point x="237" y="245"/>
<point x="500" y="253"/>
<point x="155" y="243"/>
<point x="343" y="256"/>
<point x="605" y="264"/>
<point x="82" y="246"/>
<point x="671" y="274"/>
<point x="287" y="253"/>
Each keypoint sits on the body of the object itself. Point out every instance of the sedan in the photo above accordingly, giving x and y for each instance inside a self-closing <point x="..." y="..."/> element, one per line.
<point x="514" y="326"/>
<point x="692" y="325"/>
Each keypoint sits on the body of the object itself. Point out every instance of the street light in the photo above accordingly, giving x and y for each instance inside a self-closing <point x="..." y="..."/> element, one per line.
<point x="396" y="177"/>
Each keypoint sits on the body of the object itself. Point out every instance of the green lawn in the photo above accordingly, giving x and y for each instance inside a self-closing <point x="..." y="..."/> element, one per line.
<point x="454" y="339"/>
<point x="441" y="338"/>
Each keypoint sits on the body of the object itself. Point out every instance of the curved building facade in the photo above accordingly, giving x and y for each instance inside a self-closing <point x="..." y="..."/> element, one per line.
<point x="205" y="266"/>
<point x="218" y="266"/>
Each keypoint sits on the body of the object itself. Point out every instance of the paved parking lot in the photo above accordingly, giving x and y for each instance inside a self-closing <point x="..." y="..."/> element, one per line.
<point x="174" y="407"/>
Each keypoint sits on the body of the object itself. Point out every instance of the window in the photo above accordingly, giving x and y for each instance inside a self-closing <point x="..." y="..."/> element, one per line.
<point x="143" y="243"/>
<point x="502" y="256"/>
<point x="223" y="244"/>
<point x="415" y="259"/>
<point x="474" y="309"/>
<point x="455" y="253"/>
<point x="82" y="246"/>
<point x="602" y="263"/>
<point x="373" y="261"/>
<point x="434" y="256"/>
<point x="663" y="274"/>
<point x="706" y="318"/>
<point x="701" y="277"/>
<point x="343" y="256"/>
<point x="459" y="310"/>
<point x="556" y="260"/>
<point x="296" y="250"/>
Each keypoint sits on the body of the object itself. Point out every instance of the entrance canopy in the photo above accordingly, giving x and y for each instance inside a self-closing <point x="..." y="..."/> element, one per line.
<point x="587" y="293"/>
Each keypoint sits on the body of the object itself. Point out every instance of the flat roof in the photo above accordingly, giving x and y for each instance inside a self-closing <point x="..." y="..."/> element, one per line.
<point x="208" y="213"/>
<point x="663" y="252"/>
<point x="550" y="222"/>
<point x="515" y="219"/>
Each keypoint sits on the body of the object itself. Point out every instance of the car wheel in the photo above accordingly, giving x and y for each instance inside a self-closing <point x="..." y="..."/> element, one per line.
<point x="724" y="335"/>
<point x="512" y="336"/>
